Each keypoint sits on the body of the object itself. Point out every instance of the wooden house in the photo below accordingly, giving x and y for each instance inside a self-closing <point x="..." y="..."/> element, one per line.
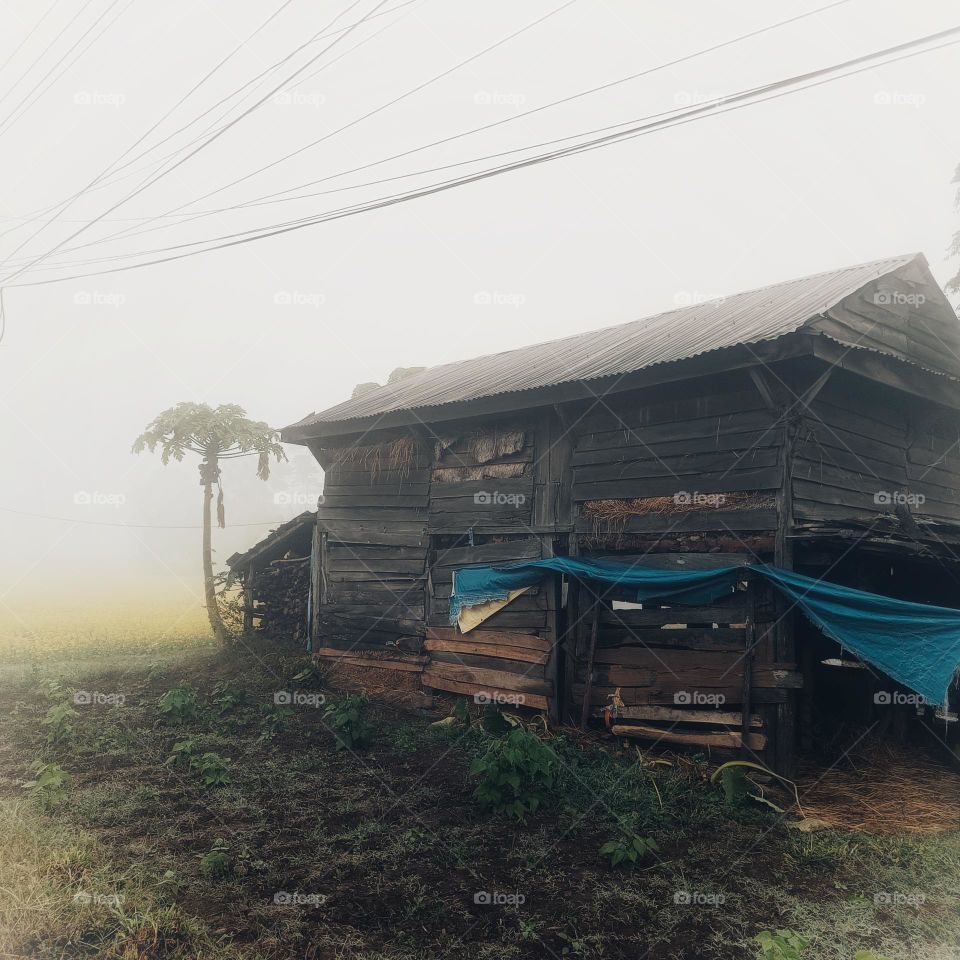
<point x="813" y="424"/>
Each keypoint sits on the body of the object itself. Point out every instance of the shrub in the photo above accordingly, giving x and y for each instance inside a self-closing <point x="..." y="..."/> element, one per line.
<point x="183" y="753"/>
<point x="179" y="704"/>
<point x="49" y="781"/>
<point x="227" y="697"/>
<point x="628" y="849"/>
<point x="780" y="945"/>
<point x="345" y="716"/>
<point x="59" y="723"/>
<point x="214" y="770"/>
<point x="517" y="774"/>
<point x="274" y="721"/>
<point x="216" y="863"/>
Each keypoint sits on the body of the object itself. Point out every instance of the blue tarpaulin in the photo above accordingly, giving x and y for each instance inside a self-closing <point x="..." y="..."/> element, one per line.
<point x="916" y="644"/>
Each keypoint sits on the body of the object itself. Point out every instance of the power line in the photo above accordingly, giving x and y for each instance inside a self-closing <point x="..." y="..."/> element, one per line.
<point x="352" y="123"/>
<point x="135" y="526"/>
<point x="489" y="126"/>
<point x="142" y="223"/>
<point x="45" y="50"/>
<point x="774" y="90"/>
<point x="36" y="27"/>
<point x="17" y="111"/>
<point x="66" y="204"/>
<point x="109" y="180"/>
<point x="206" y="143"/>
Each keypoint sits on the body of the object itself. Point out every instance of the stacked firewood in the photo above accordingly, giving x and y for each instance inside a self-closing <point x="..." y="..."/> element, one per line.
<point x="281" y="598"/>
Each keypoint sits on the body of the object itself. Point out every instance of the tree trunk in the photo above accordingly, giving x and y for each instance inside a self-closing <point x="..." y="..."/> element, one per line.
<point x="209" y="592"/>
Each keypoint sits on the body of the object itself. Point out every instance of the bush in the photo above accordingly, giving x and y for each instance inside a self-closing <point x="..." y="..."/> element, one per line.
<point x="179" y="704"/>
<point x="780" y="945"/>
<point x="216" y="863"/>
<point x="274" y="721"/>
<point x="214" y="770"/>
<point x="48" y="783"/>
<point x="183" y="753"/>
<point x="227" y="697"/>
<point x="59" y="723"/>
<point x="345" y="716"/>
<point x="628" y="849"/>
<point x="517" y="774"/>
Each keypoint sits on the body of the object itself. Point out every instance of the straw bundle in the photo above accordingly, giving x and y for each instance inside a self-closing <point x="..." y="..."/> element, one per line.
<point x="489" y="471"/>
<point x="887" y="789"/>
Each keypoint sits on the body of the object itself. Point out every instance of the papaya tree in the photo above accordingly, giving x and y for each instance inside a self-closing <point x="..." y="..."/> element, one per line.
<point x="214" y="434"/>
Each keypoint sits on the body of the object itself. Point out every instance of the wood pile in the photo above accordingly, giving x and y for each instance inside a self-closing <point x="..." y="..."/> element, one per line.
<point x="281" y="598"/>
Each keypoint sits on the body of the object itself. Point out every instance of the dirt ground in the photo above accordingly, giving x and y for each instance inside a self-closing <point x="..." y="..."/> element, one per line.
<point x="384" y="852"/>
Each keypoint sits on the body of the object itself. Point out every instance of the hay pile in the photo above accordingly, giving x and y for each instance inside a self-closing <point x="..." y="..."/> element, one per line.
<point x="487" y="471"/>
<point x="612" y="512"/>
<point x="399" y="454"/>
<point x="482" y="446"/>
<point x="390" y="686"/>
<point x="885" y="789"/>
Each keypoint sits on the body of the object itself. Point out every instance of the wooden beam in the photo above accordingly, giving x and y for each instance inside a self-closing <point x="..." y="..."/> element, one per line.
<point x="728" y="739"/>
<point x="594" y="630"/>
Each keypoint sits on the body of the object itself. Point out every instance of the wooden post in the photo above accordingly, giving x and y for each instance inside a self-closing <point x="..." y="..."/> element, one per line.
<point x="747" y="685"/>
<point x="588" y="686"/>
<point x="248" y="600"/>
<point x="551" y="670"/>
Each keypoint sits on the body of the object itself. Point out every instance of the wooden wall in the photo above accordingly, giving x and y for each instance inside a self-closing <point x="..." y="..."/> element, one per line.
<point x="373" y="544"/>
<point x="859" y="441"/>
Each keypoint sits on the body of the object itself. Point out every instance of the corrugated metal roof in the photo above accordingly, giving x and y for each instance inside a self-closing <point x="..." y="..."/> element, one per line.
<point x="743" y="318"/>
<point x="273" y="539"/>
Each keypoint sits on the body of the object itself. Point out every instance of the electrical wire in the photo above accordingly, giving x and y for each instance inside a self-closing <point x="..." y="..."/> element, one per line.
<point x="111" y="179"/>
<point x="135" y="526"/>
<point x="142" y="223"/>
<point x="725" y="104"/>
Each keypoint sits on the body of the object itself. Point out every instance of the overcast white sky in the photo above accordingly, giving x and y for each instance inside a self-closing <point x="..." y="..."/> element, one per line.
<point x="853" y="170"/>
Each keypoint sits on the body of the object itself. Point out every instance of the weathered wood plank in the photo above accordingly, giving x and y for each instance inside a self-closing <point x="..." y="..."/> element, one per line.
<point x="729" y="739"/>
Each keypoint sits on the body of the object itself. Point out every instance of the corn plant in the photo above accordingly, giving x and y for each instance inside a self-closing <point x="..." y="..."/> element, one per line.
<point x="345" y="716"/>
<point x="517" y="774"/>
<point x="628" y="850"/>
<point x="179" y="704"/>
<point x="59" y="723"/>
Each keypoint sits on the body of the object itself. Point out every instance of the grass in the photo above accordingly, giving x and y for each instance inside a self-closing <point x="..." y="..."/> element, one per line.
<point x="383" y="853"/>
